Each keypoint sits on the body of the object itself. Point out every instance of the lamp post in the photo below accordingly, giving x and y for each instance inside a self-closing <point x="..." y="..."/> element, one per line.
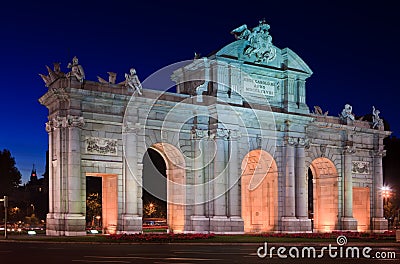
<point x="386" y="193"/>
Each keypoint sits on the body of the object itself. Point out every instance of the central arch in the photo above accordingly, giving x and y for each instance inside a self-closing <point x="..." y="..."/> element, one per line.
<point x="325" y="196"/>
<point x="259" y="189"/>
<point x="175" y="185"/>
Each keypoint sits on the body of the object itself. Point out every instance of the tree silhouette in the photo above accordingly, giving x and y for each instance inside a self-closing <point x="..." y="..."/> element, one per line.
<point x="10" y="177"/>
<point x="93" y="207"/>
<point x="150" y="209"/>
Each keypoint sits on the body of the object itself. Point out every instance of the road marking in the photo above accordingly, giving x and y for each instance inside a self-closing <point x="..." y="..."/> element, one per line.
<point x="100" y="261"/>
<point x="208" y="252"/>
<point x="191" y="259"/>
<point x="147" y="258"/>
<point x="117" y="257"/>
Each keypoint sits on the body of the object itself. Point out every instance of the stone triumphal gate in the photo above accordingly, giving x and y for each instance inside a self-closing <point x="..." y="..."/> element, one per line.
<point x="243" y="152"/>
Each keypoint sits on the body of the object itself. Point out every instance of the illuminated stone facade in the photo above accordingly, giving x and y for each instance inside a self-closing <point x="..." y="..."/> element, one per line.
<point x="238" y="140"/>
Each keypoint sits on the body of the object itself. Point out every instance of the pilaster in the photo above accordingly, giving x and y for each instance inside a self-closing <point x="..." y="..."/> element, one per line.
<point x="289" y="220"/>
<point x="301" y="186"/>
<point x="379" y="223"/>
<point x="131" y="217"/>
<point x="66" y="215"/>
<point x="348" y="221"/>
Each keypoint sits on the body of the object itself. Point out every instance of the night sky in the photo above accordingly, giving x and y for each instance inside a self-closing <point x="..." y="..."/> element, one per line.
<point x="351" y="48"/>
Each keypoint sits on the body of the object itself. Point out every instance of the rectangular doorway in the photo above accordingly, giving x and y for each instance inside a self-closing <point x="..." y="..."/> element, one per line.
<point x="109" y="201"/>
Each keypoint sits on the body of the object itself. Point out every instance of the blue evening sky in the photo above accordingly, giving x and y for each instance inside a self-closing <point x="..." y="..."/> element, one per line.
<point x="350" y="45"/>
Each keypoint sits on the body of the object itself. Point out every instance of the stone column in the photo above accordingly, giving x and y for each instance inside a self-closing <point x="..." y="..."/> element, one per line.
<point x="220" y="174"/>
<point x="198" y="174"/>
<point x="348" y="221"/>
<point x="49" y="129"/>
<point x="51" y="228"/>
<point x="236" y="221"/>
<point x="219" y="223"/>
<point x="234" y="175"/>
<point x="55" y="217"/>
<point x="301" y="186"/>
<point x="131" y="219"/>
<point x="75" y="216"/>
<point x="199" y="221"/>
<point x="208" y="175"/>
<point x="289" y="221"/>
<point x="380" y="224"/>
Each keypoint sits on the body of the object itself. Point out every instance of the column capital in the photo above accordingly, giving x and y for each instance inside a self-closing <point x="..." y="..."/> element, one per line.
<point x="63" y="122"/>
<point x="292" y="141"/>
<point x="49" y="127"/>
<point x="198" y="133"/>
<point x="349" y="150"/>
<point x="304" y="142"/>
<point x="234" y="134"/>
<point x="58" y="122"/>
<point x="379" y="153"/>
<point x="222" y="133"/>
<point x="75" y="121"/>
<point x="130" y="127"/>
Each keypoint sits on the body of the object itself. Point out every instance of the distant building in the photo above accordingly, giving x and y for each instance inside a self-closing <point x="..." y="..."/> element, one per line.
<point x="36" y="196"/>
<point x="33" y="178"/>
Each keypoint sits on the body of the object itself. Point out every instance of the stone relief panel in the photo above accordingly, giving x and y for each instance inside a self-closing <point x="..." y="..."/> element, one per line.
<point x="101" y="146"/>
<point x="360" y="167"/>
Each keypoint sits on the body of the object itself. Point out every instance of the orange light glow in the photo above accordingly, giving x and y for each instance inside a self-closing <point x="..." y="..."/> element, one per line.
<point x="259" y="192"/>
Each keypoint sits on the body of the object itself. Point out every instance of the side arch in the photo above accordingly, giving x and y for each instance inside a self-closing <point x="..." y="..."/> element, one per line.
<point x="325" y="195"/>
<point x="259" y="190"/>
<point x="176" y="180"/>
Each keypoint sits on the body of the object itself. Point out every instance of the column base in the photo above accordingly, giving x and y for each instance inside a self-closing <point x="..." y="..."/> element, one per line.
<point x="61" y="224"/>
<point x="305" y="225"/>
<point x="379" y="225"/>
<point x="200" y="224"/>
<point x="226" y="225"/>
<point x="131" y="224"/>
<point x="290" y="224"/>
<point x="349" y="224"/>
<point x="293" y="224"/>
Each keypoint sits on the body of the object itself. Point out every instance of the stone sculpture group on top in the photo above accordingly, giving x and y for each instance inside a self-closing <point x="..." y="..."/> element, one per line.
<point x="131" y="79"/>
<point x="258" y="42"/>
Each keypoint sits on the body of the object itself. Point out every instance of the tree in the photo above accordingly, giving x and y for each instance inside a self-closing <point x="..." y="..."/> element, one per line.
<point x="150" y="209"/>
<point x="93" y="207"/>
<point x="10" y="177"/>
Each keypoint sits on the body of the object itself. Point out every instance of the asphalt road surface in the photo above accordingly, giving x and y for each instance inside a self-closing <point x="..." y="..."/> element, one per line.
<point x="58" y="253"/>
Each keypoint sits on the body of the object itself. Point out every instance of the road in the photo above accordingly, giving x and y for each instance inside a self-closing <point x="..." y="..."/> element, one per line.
<point x="42" y="252"/>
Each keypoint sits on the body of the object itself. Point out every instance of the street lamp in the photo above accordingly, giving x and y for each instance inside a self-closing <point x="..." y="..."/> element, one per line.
<point x="151" y="205"/>
<point x="98" y="220"/>
<point x="386" y="192"/>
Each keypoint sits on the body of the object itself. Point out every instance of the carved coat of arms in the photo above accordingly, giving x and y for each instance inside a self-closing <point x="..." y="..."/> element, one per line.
<point x="360" y="167"/>
<point x="258" y="42"/>
<point x="102" y="146"/>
